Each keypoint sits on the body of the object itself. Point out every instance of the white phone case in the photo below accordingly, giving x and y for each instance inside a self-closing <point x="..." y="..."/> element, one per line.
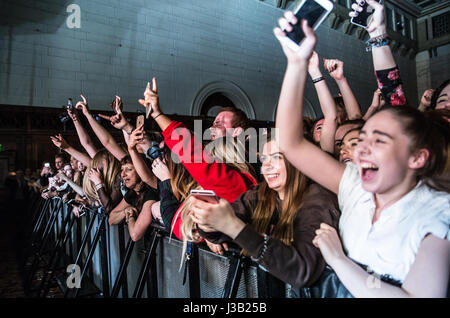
<point x="326" y="4"/>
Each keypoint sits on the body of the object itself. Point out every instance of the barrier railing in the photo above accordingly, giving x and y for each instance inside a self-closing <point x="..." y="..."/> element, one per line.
<point x="85" y="257"/>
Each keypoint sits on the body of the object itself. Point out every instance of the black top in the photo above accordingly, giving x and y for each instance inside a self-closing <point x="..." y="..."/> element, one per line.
<point x="148" y="192"/>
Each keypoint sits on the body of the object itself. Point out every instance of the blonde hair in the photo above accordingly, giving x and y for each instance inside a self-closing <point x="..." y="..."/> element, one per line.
<point x="229" y="151"/>
<point x="108" y="174"/>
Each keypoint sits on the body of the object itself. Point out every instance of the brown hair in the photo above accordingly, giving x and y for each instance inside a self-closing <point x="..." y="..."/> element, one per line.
<point x="427" y="131"/>
<point x="295" y="187"/>
<point x="240" y="119"/>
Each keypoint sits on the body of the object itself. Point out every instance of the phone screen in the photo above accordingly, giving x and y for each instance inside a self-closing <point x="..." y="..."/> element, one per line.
<point x="310" y="11"/>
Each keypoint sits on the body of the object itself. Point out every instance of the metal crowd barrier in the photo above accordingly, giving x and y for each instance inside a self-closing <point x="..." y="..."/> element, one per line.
<point x="108" y="263"/>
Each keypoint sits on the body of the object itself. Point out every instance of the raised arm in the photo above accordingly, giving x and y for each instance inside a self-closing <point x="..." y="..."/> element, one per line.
<point x="72" y="184"/>
<point x="84" y="137"/>
<point x="382" y="55"/>
<point x="61" y="143"/>
<point x="210" y="175"/>
<point x="103" y="135"/>
<point x="144" y="172"/>
<point x="377" y="103"/>
<point x="119" y="121"/>
<point x="152" y="100"/>
<point x="388" y="76"/>
<point x="305" y="156"/>
<point x="336" y="69"/>
<point x="327" y="105"/>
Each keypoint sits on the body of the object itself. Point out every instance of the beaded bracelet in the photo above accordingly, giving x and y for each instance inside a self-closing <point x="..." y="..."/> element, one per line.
<point x="378" y="41"/>
<point x="98" y="186"/>
<point x="263" y="251"/>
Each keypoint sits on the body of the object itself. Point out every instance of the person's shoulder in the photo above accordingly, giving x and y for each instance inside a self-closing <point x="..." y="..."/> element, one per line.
<point x="150" y="193"/>
<point x="315" y="193"/>
<point x="319" y="205"/>
<point x="436" y="200"/>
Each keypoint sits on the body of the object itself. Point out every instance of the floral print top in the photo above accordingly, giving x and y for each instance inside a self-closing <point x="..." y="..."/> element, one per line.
<point x="390" y="84"/>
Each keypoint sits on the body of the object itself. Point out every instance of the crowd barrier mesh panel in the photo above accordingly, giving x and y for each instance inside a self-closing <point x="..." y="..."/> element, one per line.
<point x="170" y="280"/>
<point x="213" y="274"/>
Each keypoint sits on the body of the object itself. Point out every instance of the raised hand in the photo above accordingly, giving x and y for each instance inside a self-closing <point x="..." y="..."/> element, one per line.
<point x="425" y="101"/>
<point x="117" y="105"/>
<point x="313" y="66"/>
<point x="151" y="99"/>
<point x="72" y="114"/>
<point x="160" y="169"/>
<point x="95" y="176"/>
<point x="306" y="48"/>
<point x="335" y="68"/>
<point x="136" y="137"/>
<point x="118" y="121"/>
<point x="59" y="141"/>
<point x="61" y="176"/>
<point x="377" y="25"/>
<point x="83" y="105"/>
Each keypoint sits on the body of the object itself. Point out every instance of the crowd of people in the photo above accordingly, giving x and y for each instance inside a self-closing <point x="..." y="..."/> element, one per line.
<point x="353" y="196"/>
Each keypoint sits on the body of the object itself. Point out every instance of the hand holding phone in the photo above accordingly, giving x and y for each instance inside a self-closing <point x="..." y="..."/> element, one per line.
<point x="140" y="121"/>
<point x="313" y="11"/>
<point x="363" y="14"/>
<point x="205" y="195"/>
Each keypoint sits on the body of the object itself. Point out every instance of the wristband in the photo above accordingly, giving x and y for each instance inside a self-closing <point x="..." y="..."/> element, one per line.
<point x="378" y="41"/>
<point x="98" y="186"/>
<point x="316" y="80"/>
<point x="157" y="116"/>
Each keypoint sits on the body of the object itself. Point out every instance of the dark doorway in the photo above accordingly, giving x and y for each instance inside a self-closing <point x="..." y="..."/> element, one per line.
<point x="214" y="103"/>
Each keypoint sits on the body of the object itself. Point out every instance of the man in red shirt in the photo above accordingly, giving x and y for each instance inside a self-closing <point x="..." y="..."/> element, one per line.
<point x="229" y="121"/>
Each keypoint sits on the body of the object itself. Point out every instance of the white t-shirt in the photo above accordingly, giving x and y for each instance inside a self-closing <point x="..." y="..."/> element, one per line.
<point x="390" y="245"/>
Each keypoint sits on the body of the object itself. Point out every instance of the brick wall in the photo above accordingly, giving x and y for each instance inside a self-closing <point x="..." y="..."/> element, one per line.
<point x="185" y="44"/>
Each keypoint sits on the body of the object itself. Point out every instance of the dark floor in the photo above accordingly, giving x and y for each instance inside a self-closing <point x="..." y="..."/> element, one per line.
<point x="12" y="212"/>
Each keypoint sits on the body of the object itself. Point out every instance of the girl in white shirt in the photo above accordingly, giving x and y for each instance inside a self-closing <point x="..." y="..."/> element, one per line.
<point x="394" y="221"/>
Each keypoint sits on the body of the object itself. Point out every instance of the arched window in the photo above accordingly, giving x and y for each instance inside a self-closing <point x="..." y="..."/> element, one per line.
<point x="215" y="95"/>
<point x="213" y="103"/>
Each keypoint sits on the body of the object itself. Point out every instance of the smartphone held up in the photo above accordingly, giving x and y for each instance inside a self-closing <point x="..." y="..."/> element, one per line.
<point x="363" y="18"/>
<point x="140" y="120"/>
<point x="313" y="11"/>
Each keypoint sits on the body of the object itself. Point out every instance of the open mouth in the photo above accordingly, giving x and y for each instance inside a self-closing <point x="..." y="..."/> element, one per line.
<point x="368" y="171"/>
<point x="272" y="176"/>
